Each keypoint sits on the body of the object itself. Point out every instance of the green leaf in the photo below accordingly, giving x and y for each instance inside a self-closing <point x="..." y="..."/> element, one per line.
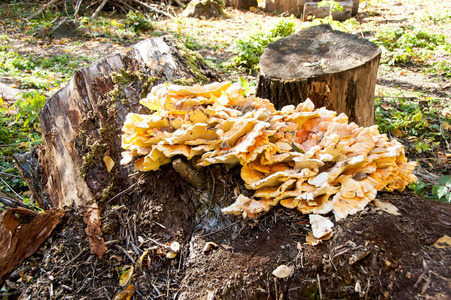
<point x="245" y="85"/>
<point x="418" y="117"/>
<point x="445" y="180"/>
<point x="441" y="191"/>
<point x="448" y="197"/>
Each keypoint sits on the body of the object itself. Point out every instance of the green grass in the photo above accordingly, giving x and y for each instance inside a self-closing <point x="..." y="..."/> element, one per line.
<point x="249" y="49"/>
<point x="409" y="44"/>
<point x="37" y="72"/>
<point x="419" y="120"/>
<point x="19" y="132"/>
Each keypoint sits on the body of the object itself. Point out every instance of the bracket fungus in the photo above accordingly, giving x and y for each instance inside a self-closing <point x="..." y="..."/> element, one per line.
<point x="301" y="157"/>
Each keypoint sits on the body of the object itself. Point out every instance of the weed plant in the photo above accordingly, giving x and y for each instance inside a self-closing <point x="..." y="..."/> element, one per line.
<point x="19" y="132"/>
<point x="250" y="48"/>
<point x="409" y="44"/>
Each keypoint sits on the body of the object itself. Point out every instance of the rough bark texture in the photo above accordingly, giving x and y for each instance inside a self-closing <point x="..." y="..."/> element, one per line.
<point x="332" y="68"/>
<point x="81" y="123"/>
<point x="22" y="232"/>
<point x="295" y="7"/>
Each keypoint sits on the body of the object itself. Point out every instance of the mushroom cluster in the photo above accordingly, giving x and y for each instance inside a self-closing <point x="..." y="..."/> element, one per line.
<point x="301" y="157"/>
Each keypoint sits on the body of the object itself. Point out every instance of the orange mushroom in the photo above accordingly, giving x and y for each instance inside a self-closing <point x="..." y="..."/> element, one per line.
<point x="311" y="160"/>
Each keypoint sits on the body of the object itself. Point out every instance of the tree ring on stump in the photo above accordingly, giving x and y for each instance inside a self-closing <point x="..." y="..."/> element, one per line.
<point x="333" y="68"/>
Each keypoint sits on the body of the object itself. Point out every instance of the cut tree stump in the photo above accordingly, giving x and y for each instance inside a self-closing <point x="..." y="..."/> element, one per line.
<point x="81" y="123"/>
<point x="286" y="7"/>
<point x="81" y="126"/>
<point x="243" y="4"/>
<point x="298" y="7"/>
<point x="334" y="69"/>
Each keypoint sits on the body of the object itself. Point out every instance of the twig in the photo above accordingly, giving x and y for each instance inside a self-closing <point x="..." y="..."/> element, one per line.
<point x="160" y="244"/>
<point x="154" y="9"/>
<point x="126" y="253"/>
<point x="52" y="2"/>
<point x="426" y="285"/>
<point x="10" y="201"/>
<point x="99" y="9"/>
<point x="12" y="189"/>
<point x="123" y="192"/>
<point x="75" y="258"/>
<point x="217" y="230"/>
<point x="179" y="3"/>
<point x="77" y="8"/>
<point x="12" y="175"/>
<point x="319" y="287"/>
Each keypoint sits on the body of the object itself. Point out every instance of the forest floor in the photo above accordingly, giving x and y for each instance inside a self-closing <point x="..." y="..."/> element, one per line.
<point x="373" y="255"/>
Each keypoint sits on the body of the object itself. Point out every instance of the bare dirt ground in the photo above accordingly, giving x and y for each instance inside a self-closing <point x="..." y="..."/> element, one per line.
<point x="373" y="254"/>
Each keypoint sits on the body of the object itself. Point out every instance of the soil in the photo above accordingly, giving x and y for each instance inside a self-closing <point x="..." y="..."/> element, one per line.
<point x="372" y="255"/>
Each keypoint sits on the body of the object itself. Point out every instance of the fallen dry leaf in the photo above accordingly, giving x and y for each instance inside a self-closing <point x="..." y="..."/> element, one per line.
<point x="387" y="207"/>
<point x="209" y="246"/>
<point x="125" y="294"/>
<point x="126" y="277"/>
<point x="109" y="163"/>
<point x="443" y="242"/>
<point x="141" y="258"/>
<point x="282" y="271"/>
<point x="171" y="254"/>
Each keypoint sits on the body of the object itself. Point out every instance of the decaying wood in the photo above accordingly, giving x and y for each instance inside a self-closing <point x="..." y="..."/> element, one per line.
<point x="10" y="202"/>
<point x="77" y="110"/>
<point x="82" y="123"/>
<point x="93" y="231"/>
<point x="189" y="173"/>
<point x="142" y="214"/>
<point x="22" y="232"/>
<point x="332" y="68"/>
<point x="29" y="167"/>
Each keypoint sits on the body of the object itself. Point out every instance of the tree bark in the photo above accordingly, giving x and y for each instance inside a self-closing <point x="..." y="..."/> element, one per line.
<point x="295" y="7"/>
<point x="81" y="123"/>
<point x="22" y="231"/>
<point x="332" y="68"/>
<point x="243" y="4"/>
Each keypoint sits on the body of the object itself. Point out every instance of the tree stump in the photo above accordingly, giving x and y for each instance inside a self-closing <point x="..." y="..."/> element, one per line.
<point x="81" y="123"/>
<point x="243" y="4"/>
<point x="332" y="68"/>
<point x="296" y="7"/>
<point x="290" y="7"/>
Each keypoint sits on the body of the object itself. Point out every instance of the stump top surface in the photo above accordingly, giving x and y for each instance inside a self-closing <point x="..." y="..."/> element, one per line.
<point x="315" y="51"/>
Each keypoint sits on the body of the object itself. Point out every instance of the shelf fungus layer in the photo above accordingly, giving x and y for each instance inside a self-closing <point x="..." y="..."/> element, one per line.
<point x="303" y="158"/>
